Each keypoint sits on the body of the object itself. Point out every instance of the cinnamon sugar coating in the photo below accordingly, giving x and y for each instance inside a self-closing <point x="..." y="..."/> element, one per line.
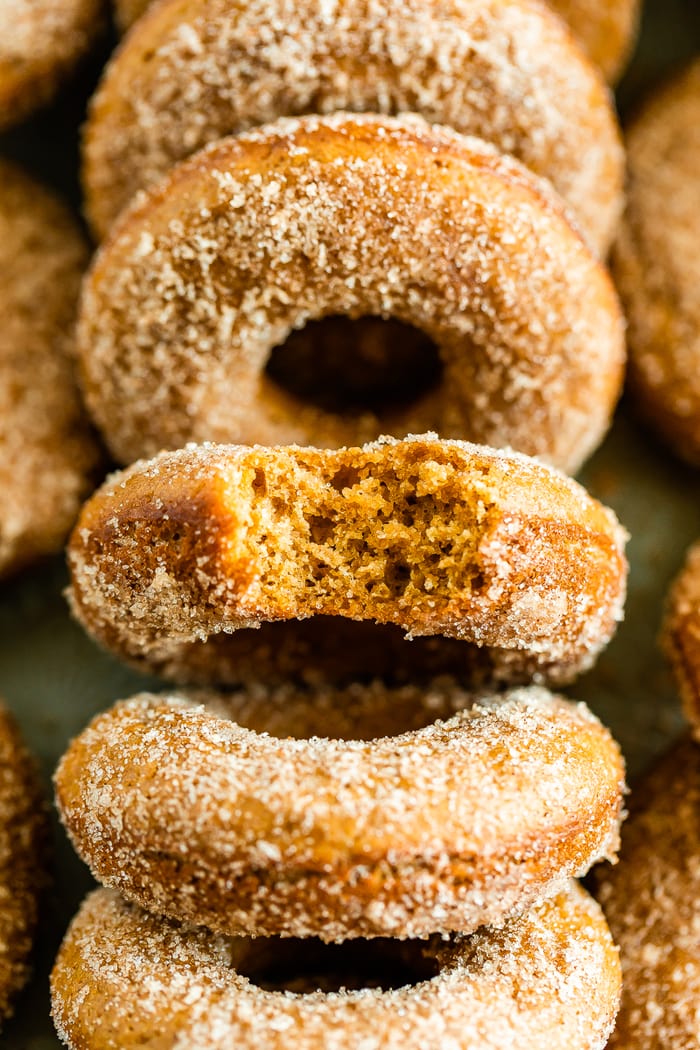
<point x="194" y="811"/>
<point x="47" y="453"/>
<point x="651" y="901"/>
<point x="434" y="537"/>
<point x="124" y="979"/>
<point x="40" y="43"/>
<point x="349" y="215"/>
<point x="606" y="28"/>
<point x="657" y="263"/>
<point x="23" y="832"/>
<point x="681" y="634"/>
<point x="194" y="71"/>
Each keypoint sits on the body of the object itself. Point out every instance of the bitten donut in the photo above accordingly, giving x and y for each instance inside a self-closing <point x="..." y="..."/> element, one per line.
<point x="651" y="902"/>
<point x="434" y="537"/>
<point x="124" y="979"/>
<point x="40" y="43"/>
<point x="47" y="454"/>
<point x="23" y="834"/>
<point x="606" y="28"/>
<point x="257" y="235"/>
<point x="681" y="634"/>
<point x="657" y="263"/>
<point x="504" y="70"/>
<point x="191" y="814"/>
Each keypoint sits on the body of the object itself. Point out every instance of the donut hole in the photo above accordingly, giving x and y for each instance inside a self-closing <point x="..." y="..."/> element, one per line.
<point x="354" y="366"/>
<point x="305" y="966"/>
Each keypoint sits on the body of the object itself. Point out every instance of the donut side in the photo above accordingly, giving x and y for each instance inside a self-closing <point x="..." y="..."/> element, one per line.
<point x="433" y="537"/>
<point x="681" y="634"/>
<point x="651" y="902"/>
<point x="125" y="979"/>
<point x="607" y="30"/>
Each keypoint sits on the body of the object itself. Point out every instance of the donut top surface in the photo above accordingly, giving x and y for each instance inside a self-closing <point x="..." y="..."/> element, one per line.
<point x="193" y="71"/>
<point x="606" y="28"/>
<point x="46" y="450"/>
<point x="651" y="901"/>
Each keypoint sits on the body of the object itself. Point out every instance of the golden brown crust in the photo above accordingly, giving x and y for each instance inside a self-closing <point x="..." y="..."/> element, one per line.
<point x="40" y="43"/>
<point x="124" y="979"/>
<point x="47" y="452"/>
<point x="651" y="901"/>
<point x="606" y="28"/>
<point x="681" y="634"/>
<point x="435" y="537"/>
<point x="23" y="829"/>
<point x="657" y="263"/>
<point x="195" y="71"/>
<point x="190" y="813"/>
<point x="255" y="236"/>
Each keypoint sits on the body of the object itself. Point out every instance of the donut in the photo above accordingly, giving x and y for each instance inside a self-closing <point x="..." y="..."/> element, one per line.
<point x="512" y="49"/>
<point x="607" y="29"/>
<point x="124" y="979"/>
<point x="656" y="261"/>
<point x="434" y="537"/>
<point x="40" y="43"/>
<point x="189" y="813"/>
<point x="651" y="902"/>
<point x="47" y="452"/>
<point x="255" y="236"/>
<point x="195" y="71"/>
<point x="23" y="833"/>
<point x="681" y="634"/>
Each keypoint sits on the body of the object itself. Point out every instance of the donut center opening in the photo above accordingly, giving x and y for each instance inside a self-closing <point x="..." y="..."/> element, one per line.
<point x="354" y="366"/>
<point x="309" y="965"/>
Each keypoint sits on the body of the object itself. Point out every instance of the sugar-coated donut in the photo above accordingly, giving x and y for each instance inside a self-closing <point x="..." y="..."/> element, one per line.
<point x="606" y="28"/>
<point x="40" y="43"/>
<point x="23" y="832"/>
<point x="435" y="537"/>
<point x="125" y="979"/>
<point x="651" y="901"/>
<point x="195" y="71"/>
<point x="191" y="814"/>
<point x="657" y="263"/>
<point x="47" y="453"/>
<point x="681" y="634"/>
<point x="257" y="235"/>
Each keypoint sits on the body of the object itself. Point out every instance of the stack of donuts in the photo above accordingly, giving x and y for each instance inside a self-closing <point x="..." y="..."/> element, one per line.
<point x="355" y="817"/>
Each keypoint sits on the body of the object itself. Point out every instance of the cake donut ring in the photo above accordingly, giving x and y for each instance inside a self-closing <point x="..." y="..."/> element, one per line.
<point x="40" y="43"/>
<point x="259" y="234"/>
<point x="47" y="452"/>
<point x="607" y="29"/>
<point x="125" y="979"/>
<point x="191" y="815"/>
<point x="23" y="834"/>
<point x="680" y="634"/>
<point x="434" y="537"/>
<point x="651" y="901"/>
<point x="657" y="260"/>
<point x="470" y="64"/>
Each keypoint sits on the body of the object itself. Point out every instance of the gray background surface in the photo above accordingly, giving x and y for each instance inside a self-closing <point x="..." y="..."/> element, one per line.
<point x="55" y="680"/>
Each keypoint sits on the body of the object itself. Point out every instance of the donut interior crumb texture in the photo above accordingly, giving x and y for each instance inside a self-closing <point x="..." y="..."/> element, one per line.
<point x="124" y="979"/>
<point x="435" y="537"/>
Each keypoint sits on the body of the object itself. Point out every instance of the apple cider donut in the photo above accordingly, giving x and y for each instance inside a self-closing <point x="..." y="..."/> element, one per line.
<point x="190" y="814"/>
<point x="657" y="263"/>
<point x="22" y="845"/>
<point x="255" y="236"/>
<point x="40" y="43"/>
<point x="124" y="979"/>
<point x="470" y="64"/>
<point x="47" y="453"/>
<point x="651" y="901"/>
<point x="606" y="28"/>
<point x="435" y="537"/>
<point x="681" y="634"/>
